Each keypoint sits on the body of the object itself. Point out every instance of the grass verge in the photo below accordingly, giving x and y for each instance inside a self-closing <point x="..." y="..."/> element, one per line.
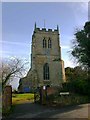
<point x="22" y="98"/>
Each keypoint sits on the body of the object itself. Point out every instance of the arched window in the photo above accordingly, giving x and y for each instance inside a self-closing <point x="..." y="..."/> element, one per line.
<point x="46" y="71"/>
<point x="49" y="43"/>
<point x="44" y="43"/>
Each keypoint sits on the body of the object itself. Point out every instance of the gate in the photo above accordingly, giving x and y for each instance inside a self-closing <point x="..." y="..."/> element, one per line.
<point x="37" y="95"/>
<point x="41" y="94"/>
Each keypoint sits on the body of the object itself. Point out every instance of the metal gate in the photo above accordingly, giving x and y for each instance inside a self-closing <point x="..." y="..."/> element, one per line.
<point x="37" y="95"/>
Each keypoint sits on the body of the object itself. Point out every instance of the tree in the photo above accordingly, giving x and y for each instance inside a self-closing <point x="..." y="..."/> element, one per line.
<point x="81" y="49"/>
<point x="76" y="73"/>
<point x="69" y="74"/>
<point x="77" y="80"/>
<point x="11" y="68"/>
<point x="81" y="45"/>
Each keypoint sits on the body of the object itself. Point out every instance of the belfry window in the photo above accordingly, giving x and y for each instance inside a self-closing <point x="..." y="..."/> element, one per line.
<point x="44" y="43"/>
<point x="49" y="43"/>
<point x="46" y="71"/>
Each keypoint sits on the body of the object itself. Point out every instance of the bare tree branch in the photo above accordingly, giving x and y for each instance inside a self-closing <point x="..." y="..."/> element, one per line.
<point x="12" y="68"/>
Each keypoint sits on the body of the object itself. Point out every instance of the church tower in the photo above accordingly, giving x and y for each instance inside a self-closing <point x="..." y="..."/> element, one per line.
<point x="47" y="67"/>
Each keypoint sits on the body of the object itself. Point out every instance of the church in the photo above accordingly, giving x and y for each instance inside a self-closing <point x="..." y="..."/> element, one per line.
<point x="47" y="66"/>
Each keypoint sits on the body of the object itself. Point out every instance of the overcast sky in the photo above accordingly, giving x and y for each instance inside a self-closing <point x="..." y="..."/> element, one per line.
<point x="18" y="21"/>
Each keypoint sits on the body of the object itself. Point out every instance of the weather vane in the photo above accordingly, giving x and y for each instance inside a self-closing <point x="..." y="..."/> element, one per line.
<point x="44" y="23"/>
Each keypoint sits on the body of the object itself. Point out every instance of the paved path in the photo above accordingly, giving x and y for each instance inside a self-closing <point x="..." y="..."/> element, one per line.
<point x="31" y="110"/>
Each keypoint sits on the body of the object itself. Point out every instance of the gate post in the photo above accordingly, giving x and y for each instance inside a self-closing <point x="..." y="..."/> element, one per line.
<point x="7" y="97"/>
<point x="44" y="95"/>
<point x="34" y="97"/>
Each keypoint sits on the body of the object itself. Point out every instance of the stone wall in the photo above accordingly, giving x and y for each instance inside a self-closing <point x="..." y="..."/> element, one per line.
<point x="51" y="90"/>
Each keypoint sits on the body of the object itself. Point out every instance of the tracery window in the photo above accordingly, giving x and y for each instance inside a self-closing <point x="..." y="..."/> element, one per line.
<point x="44" y="43"/>
<point x="46" y="75"/>
<point x="49" y="43"/>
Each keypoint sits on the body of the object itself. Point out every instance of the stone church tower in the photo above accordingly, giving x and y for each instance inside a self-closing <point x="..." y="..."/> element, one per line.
<point x="47" y="67"/>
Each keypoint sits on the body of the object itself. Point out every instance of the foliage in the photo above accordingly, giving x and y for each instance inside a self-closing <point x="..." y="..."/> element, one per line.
<point x="81" y="51"/>
<point x="81" y="45"/>
<point x="75" y="73"/>
<point x="15" y="91"/>
<point x="64" y="100"/>
<point x="77" y="80"/>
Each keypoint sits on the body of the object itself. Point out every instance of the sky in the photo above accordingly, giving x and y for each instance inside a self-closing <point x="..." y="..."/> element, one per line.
<point x="18" y="19"/>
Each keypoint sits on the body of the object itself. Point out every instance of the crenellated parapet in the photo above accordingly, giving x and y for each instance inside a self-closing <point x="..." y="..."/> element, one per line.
<point x="37" y="29"/>
<point x="45" y="30"/>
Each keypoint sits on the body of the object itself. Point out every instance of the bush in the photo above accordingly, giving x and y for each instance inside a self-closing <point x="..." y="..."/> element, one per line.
<point x="72" y="99"/>
<point x="78" y="86"/>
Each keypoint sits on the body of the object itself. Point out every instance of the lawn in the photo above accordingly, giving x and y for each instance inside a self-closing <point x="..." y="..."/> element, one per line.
<point x="22" y="98"/>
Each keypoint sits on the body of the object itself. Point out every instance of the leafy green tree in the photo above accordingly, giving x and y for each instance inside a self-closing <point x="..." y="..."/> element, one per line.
<point x="81" y="45"/>
<point x="69" y="74"/>
<point x="75" y="73"/>
<point x="81" y="52"/>
<point x="77" y="80"/>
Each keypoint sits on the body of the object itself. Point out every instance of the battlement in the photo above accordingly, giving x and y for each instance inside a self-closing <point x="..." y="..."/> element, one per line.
<point x="45" y="30"/>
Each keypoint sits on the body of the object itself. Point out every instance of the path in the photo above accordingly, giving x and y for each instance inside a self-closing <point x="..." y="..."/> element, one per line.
<point x="31" y="110"/>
